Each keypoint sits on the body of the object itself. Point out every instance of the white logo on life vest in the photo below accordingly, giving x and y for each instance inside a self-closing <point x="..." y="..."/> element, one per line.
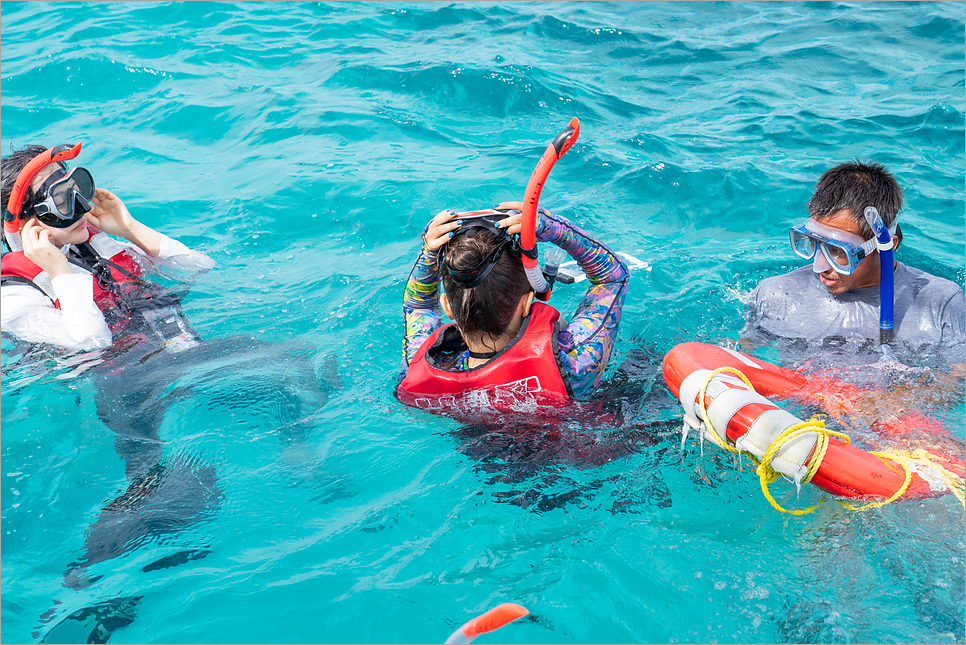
<point x="516" y="395"/>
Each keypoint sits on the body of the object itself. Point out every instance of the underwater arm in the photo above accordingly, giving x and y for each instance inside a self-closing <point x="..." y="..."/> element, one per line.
<point x="586" y="344"/>
<point x="750" y="335"/>
<point x="953" y="320"/>
<point x="953" y="340"/>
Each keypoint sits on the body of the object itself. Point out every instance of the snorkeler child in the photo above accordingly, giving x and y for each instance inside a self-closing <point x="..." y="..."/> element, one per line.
<point x="504" y="352"/>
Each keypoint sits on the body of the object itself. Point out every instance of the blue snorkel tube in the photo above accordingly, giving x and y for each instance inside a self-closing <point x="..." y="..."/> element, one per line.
<point x="887" y="268"/>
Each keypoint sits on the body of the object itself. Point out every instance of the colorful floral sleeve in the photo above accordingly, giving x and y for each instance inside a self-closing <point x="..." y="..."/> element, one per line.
<point x="586" y="344"/>
<point x="421" y="304"/>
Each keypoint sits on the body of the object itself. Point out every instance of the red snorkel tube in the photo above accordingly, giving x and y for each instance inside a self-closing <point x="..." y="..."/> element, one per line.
<point x="528" y="233"/>
<point x="11" y="214"/>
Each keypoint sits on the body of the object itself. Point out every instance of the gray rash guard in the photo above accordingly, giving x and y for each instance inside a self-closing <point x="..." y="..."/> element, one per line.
<point x="930" y="316"/>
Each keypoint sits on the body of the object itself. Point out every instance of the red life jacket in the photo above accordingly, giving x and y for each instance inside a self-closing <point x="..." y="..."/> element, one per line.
<point x="126" y="270"/>
<point x="522" y="378"/>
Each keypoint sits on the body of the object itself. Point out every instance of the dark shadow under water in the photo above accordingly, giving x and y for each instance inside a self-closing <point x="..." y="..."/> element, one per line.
<point x="535" y="465"/>
<point x="136" y="383"/>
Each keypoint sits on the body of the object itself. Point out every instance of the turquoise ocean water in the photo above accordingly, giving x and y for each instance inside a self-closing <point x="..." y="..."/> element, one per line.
<point x="303" y="147"/>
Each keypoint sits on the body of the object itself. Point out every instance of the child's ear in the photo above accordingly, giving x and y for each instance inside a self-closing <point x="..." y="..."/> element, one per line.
<point x="443" y="300"/>
<point x="526" y="302"/>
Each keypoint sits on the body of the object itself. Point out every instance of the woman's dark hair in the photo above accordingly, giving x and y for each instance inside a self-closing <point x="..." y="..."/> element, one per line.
<point x="851" y="187"/>
<point x="10" y="168"/>
<point x="489" y="306"/>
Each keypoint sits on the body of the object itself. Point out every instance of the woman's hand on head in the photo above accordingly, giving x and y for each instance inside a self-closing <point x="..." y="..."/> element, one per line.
<point x="38" y="248"/>
<point x="513" y="224"/>
<point x="109" y="214"/>
<point x="440" y="230"/>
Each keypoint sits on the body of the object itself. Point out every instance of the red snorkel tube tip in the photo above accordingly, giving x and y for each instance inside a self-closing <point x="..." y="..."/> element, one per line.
<point x="528" y="233"/>
<point x="11" y="214"/>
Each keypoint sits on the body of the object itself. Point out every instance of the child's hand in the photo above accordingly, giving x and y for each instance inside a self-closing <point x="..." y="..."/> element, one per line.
<point x="513" y="223"/>
<point x="440" y="230"/>
<point x="38" y="248"/>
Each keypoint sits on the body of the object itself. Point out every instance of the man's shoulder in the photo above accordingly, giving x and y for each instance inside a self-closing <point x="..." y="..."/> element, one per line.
<point x="931" y="286"/>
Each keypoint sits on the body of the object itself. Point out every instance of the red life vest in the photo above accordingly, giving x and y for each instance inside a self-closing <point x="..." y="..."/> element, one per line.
<point x="522" y="378"/>
<point x="17" y="265"/>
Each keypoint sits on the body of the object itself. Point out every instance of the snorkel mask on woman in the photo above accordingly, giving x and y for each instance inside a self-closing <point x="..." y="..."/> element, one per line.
<point x="61" y="201"/>
<point x="64" y="197"/>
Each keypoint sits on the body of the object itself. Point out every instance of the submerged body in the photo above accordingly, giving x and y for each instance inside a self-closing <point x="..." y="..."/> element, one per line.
<point x="929" y="315"/>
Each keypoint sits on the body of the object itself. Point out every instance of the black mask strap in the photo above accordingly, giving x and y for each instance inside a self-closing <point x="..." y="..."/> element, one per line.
<point x="476" y="275"/>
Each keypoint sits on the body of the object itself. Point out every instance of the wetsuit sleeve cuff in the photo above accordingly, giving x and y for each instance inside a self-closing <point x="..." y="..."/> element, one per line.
<point x="171" y="247"/>
<point x="182" y="255"/>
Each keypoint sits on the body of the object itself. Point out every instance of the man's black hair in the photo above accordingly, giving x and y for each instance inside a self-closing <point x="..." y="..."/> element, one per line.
<point x="853" y="186"/>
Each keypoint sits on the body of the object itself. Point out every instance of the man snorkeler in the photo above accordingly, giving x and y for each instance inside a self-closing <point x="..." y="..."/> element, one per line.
<point x="834" y="304"/>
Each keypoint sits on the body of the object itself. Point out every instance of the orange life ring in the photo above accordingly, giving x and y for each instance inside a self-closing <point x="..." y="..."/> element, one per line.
<point x="748" y="419"/>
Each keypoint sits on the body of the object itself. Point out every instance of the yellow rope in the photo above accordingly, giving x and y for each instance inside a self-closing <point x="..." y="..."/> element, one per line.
<point x="767" y="474"/>
<point x="713" y="436"/>
<point x="956" y="484"/>
<point x="919" y="457"/>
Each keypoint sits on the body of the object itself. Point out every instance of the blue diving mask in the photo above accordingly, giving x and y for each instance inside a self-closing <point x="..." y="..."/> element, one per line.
<point x="829" y="247"/>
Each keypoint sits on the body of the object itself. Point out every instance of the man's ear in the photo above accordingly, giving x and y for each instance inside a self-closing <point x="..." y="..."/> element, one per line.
<point x="443" y="300"/>
<point x="525" y="303"/>
<point x="895" y="243"/>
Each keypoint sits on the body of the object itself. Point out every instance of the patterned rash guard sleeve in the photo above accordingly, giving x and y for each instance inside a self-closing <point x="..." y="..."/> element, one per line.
<point x="586" y="344"/>
<point x="421" y="305"/>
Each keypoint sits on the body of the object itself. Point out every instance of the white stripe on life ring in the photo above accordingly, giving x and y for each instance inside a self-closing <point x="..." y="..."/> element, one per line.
<point x="791" y="457"/>
<point x="741" y="357"/>
<point x="726" y="404"/>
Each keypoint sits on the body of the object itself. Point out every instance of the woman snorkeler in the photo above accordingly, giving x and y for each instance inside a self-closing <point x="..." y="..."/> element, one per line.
<point x="73" y="292"/>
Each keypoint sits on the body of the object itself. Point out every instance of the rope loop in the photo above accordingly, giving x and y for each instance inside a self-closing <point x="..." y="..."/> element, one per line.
<point x="767" y="474"/>
<point x="906" y="459"/>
